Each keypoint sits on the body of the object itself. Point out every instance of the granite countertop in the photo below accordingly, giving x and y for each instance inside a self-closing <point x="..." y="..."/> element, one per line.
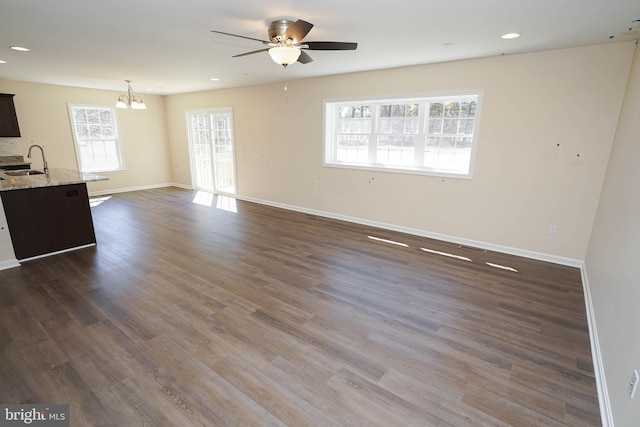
<point x="53" y="178"/>
<point x="12" y="161"/>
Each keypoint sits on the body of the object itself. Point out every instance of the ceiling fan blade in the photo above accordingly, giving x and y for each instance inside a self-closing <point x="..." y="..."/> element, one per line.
<point x="250" y="53"/>
<point x="304" y="58"/>
<point x="331" y="46"/>
<point x="297" y="30"/>
<point x="242" y="37"/>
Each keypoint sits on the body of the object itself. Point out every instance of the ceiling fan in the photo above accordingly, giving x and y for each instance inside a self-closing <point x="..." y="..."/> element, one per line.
<point x="286" y="45"/>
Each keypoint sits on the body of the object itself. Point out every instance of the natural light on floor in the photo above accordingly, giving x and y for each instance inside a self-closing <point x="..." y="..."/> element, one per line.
<point x="225" y="203"/>
<point x="501" y="267"/>
<point x="95" y="201"/>
<point x="203" y="198"/>
<point x="447" y="254"/>
<point x="378" y="239"/>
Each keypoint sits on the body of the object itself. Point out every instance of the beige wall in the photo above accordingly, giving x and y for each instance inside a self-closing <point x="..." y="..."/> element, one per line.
<point x="43" y="116"/>
<point x="612" y="259"/>
<point x="547" y="124"/>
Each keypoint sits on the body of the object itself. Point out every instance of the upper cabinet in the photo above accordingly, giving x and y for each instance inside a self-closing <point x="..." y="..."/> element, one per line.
<point x="8" y="119"/>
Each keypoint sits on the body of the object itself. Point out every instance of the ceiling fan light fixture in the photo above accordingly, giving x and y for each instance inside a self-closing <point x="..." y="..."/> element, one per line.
<point x="284" y="55"/>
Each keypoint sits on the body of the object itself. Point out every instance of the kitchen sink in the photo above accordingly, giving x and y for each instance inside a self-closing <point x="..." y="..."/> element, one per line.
<point x="24" y="172"/>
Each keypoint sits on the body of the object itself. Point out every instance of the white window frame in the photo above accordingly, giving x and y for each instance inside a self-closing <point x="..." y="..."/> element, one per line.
<point x="330" y="144"/>
<point x="77" y="140"/>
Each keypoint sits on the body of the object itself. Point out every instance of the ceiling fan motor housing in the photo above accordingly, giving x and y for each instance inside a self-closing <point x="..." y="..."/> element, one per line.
<point x="277" y="30"/>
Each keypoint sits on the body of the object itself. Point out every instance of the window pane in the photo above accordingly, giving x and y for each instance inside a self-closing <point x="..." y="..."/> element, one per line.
<point x="452" y="109"/>
<point x="466" y="126"/>
<point x="82" y="131"/>
<point x="79" y="116"/>
<point x="436" y="110"/>
<point x="398" y="110"/>
<point x="468" y="109"/>
<point x="450" y="126"/>
<point x="353" y="148"/>
<point x="449" y="154"/>
<point x="93" y="116"/>
<point x="397" y="126"/>
<point x="410" y="126"/>
<point x="107" y="131"/>
<point x="435" y="126"/>
<point x="396" y="150"/>
<point x="105" y="116"/>
<point x="95" y="132"/>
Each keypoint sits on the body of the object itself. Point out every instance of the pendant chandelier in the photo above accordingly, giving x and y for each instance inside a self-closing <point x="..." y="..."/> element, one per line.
<point x="130" y="100"/>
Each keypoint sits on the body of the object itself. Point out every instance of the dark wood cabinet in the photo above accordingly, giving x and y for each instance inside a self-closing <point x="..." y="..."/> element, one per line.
<point x="48" y="219"/>
<point x="8" y="118"/>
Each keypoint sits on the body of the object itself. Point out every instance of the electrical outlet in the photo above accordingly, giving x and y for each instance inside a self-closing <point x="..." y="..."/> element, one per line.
<point x="633" y="384"/>
<point x="553" y="230"/>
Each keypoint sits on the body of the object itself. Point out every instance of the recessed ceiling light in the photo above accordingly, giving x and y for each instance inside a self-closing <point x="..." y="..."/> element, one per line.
<point x="510" y="36"/>
<point x="2" y="62"/>
<point x="20" y="48"/>
<point x="213" y="79"/>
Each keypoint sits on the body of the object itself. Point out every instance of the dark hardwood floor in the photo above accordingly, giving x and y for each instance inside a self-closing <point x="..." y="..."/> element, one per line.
<point x="185" y="314"/>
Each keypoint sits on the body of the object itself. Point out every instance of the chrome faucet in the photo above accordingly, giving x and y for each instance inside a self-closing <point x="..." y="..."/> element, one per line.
<point x="44" y="161"/>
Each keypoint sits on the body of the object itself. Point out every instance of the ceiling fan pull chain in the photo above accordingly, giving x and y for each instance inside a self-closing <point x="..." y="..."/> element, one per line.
<point x="286" y="86"/>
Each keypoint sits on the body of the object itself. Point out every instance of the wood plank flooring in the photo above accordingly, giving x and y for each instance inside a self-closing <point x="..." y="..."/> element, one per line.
<point x="192" y="315"/>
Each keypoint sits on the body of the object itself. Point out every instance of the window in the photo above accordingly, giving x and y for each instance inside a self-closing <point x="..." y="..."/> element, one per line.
<point x="95" y="132"/>
<point x="433" y="135"/>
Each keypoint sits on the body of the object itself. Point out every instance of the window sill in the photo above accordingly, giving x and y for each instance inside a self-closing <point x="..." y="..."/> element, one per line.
<point x="424" y="172"/>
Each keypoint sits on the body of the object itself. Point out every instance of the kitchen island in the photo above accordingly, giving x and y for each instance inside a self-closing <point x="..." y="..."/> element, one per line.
<point x="48" y="212"/>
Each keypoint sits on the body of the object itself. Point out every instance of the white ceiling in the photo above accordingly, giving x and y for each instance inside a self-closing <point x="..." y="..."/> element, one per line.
<point x="167" y="47"/>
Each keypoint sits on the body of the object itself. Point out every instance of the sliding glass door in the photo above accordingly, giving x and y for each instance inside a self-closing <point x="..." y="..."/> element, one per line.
<point x="212" y="150"/>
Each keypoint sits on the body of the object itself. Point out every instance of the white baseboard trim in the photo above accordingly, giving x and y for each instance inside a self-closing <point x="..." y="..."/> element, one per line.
<point x="142" y="187"/>
<point x="417" y="232"/>
<point x="183" y="186"/>
<point x="57" y="252"/>
<point x="606" y="415"/>
<point x="10" y="263"/>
